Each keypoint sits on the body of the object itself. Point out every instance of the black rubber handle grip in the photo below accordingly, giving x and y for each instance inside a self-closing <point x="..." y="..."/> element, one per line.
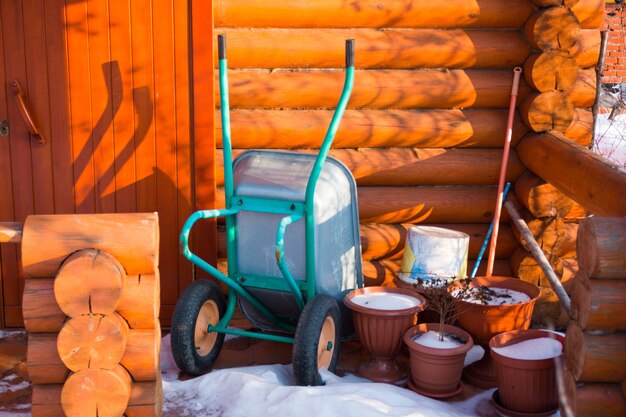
<point x="221" y="46"/>
<point x="349" y="53"/>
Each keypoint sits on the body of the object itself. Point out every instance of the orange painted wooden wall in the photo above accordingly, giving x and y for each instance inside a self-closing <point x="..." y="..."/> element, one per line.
<point x="109" y="83"/>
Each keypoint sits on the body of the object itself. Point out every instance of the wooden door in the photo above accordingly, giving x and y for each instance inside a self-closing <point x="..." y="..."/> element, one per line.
<point x="109" y="84"/>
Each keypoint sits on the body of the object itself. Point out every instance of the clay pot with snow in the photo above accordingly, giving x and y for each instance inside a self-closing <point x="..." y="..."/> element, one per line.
<point x="437" y="362"/>
<point x="526" y="363"/>
<point x="500" y="304"/>
<point x="381" y="316"/>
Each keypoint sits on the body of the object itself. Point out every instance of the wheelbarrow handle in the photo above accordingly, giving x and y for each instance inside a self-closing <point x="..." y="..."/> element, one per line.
<point x="349" y="53"/>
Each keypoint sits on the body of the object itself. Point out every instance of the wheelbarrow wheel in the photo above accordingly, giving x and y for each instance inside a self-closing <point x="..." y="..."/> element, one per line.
<point x="316" y="342"/>
<point x="193" y="347"/>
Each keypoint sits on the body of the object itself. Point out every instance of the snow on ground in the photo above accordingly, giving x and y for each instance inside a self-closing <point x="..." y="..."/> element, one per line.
<point x="610" y="138"/>
<point x="270" y="390"/>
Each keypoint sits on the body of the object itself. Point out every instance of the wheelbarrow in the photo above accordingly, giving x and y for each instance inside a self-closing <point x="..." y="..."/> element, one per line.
<point x="293" y="242"/>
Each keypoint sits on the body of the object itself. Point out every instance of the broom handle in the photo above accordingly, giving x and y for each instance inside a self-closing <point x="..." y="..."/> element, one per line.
<point x="517" y="72"/>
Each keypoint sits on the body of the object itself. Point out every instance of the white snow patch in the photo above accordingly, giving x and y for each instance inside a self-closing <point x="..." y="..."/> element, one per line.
<point x="431" y="339"/>
<point x="496" y="296"/>
<point x="610" y="138"/>
<point x="385" y="301"/>
<point x="9" y="333"/>
<point x="269" y="390"/>
<point x="532" y="349"/>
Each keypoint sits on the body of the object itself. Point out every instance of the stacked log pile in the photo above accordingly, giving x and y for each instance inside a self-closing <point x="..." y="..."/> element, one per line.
<point x="91" y="305"/>
<point x="425" y="146"/>
<point x="595" y="343"/>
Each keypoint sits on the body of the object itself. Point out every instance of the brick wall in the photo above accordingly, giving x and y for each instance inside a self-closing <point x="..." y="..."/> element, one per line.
<point x="615" y="60"/>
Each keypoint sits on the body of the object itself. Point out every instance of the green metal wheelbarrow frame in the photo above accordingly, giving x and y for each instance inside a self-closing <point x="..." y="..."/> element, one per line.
<point x="293" y="211"/>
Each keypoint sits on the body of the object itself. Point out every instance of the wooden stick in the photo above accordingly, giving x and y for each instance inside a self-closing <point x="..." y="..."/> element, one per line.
<point x="11" y="232"/>
<point x="537" y="253"/>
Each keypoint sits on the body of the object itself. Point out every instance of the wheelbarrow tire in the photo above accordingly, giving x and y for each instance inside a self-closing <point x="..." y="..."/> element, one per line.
<point x="193" y="348"/>
<point x="316" y="342"/>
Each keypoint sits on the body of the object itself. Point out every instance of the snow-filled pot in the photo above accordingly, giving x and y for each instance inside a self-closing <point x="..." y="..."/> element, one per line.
<point x="381" y="316"/>
<point x="436" y="366"/>
<point x="483" y="321"/>
<point x="527" y="362"/>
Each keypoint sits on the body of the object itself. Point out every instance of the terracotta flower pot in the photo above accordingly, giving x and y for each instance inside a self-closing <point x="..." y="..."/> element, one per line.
<point x="380" y="331"/>
<point x="526" y="385"/>
<point x="436" y="372"/>
<point x="485" y="321"/>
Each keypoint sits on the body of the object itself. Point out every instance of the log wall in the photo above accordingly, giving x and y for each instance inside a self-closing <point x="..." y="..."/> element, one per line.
<point x="425" y="146"/>
<point x="595" y="343"/>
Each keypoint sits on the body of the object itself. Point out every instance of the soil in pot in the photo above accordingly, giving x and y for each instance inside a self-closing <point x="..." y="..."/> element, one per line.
<point x="493" y="311"/>
<point x="526" y="363"/>
<point x="381" y="316"/>
<point x="436" y="366"/>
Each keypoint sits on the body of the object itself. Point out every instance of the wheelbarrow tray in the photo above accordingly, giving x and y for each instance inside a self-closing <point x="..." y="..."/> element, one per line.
<point x="282" y="175"/>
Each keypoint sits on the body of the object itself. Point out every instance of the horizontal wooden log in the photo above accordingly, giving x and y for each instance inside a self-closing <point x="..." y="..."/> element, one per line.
<point x="140" y="301"/>
<point x="384" y="272"/>
<point x="591" y="399"/>
<point x="426" y="204"/>
<point x="552" y="28"/>
<point x="550" y="3"/>
<point x="93" y="341"/>
<point x="583" y="92"/>
<point x="46" y="400"/>
<point x="552" y="110"/>
<point x="404" y="166"/>
<point x="586" y="51"/>
<point x="386" y="49"/>
<point x="595" y="358"/>
<point x="581" y="129"/>
<point x="454" y="204"/>
<point x="90" y="281"/>
<point x="141" y="356"/>
<point x="542" y="199"/>
<point x="133" y="239"/>
<point x="39" y="308"/>
<point x="11" y="232"/>
<point x="589" y="13"/>
<point x="146" y="399"/>
<point x="577" y="172"/>
<point x="386" y="241"/>
<point x="556" y="237"/>
<point x="373" y="89"/>
<point x="371" y="13"/>
<point x="294" y="129"/>
<point x="602" y="246"/>
<point x="43" y="360"/>
<point x="599" y="303"/>
<point x="96" y="392"/>
<point x="555" y="69"/>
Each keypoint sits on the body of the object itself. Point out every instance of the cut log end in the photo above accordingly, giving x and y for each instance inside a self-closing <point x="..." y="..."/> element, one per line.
<point x="552" y="110"/>
<point x="90" y="281"/>
<point x="542" y="199"/>
<point x="601" y="247"/>
<point x="97" y="392"/>
<point x="555" y="69"/>
<point x="552" y="28"/>
<point x="93" y="342"/>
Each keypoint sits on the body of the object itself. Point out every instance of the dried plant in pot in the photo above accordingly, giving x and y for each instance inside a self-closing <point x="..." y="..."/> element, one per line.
<point x="437" y="350"/>
<point x="381" y="315"/>
<point x="527" y="363"/>
<point x="493" y="305"/>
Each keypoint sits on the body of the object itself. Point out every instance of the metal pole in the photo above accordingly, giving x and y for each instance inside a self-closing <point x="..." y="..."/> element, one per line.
<point x="517" y="72"/>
